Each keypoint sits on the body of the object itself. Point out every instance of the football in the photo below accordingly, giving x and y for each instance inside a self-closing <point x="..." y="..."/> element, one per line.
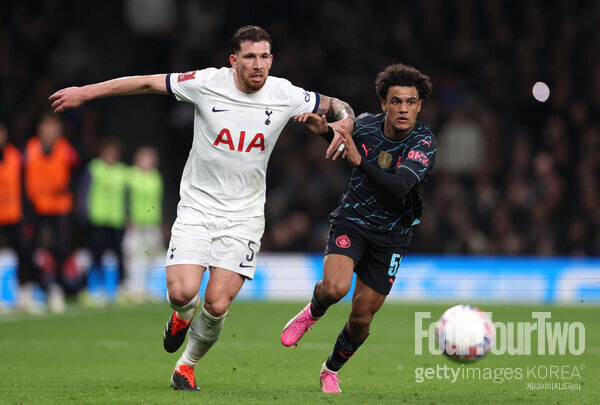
<point x="465" y="333"/>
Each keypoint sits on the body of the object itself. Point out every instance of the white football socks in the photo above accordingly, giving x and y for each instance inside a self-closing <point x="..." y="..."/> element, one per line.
<point x="203" y="333"/>
<point x="185" y="312"/>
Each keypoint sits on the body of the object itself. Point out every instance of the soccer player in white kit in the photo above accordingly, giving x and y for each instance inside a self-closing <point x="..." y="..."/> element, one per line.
<point x="239" y="113"/>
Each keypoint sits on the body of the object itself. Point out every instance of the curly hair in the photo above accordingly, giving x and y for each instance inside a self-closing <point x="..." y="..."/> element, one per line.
<point x="402" y="75"/>
<point x="252" y="33"/>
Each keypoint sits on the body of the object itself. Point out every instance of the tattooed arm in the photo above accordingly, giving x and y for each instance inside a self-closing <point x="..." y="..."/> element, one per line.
<point x="335" y="108"/>
<point x="343" y="115"/>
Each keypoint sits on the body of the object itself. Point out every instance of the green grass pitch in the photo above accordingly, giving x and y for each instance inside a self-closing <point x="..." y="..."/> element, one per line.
<point x="115" y="356"/>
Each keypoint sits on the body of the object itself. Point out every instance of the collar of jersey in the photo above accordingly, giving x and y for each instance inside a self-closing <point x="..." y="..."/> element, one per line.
<point x="391" y="140"/>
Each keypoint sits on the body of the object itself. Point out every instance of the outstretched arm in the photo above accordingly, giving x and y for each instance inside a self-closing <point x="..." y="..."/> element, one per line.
<point x="73" y="97"/>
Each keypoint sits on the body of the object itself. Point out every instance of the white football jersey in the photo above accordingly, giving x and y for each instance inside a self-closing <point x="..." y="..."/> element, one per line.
<point x="234" y="135"/>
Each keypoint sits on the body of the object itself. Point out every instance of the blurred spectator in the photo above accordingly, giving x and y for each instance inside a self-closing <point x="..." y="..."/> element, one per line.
<point x="49" y="162"/>
<point x="150" y="22"/>
<point x="461" y="144"/>
<point x="150" y="17"/>
<point x="73" y="61"/>
<point x="104" y="184"/>
<point x="11" y="220"/>
<point x="143" y="244"/>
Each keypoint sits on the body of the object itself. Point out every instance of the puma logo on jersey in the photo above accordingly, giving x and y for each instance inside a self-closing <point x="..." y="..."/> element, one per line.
<point x="225" y="138"/>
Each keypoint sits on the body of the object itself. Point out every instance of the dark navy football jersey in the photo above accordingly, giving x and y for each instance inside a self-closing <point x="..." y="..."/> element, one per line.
<point x="365" y="203"/>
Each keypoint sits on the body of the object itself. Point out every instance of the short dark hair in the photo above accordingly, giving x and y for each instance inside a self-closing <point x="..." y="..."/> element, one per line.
<point x="402" y="75"/>
<point x="252" y="33"/>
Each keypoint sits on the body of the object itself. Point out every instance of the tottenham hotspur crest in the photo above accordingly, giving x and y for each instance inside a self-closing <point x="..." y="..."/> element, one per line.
<point x="268" y="120"/>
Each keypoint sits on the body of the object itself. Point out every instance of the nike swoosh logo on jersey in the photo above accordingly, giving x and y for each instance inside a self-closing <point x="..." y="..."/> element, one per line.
<point x="215" y="110"/>
<point x="242" y="265"/>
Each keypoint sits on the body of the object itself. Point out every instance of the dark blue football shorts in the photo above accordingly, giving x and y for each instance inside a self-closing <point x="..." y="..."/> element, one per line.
<point x="376" y="255"/>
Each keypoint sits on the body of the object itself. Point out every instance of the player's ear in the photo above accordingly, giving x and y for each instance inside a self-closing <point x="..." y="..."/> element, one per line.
<point x="233" y="60"/>
<point x="419" y="108"/>
<point x="383" y="105"/>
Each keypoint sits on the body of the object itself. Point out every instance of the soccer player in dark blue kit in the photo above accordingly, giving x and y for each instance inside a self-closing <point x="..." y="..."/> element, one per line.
<point x="371" y="228"/>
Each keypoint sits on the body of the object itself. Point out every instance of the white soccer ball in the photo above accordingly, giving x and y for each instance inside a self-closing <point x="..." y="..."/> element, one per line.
<point x="465" y="333"/>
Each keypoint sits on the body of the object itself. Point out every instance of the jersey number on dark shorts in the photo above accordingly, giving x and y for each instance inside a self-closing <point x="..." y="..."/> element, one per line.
<point x="394" y="264"/>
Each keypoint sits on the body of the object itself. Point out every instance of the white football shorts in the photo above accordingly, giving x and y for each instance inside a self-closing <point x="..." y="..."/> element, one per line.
<point x="228" y="243"/>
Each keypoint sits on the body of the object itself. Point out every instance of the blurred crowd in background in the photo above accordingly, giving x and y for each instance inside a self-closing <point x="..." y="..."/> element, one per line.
<point x="514" y="176"/>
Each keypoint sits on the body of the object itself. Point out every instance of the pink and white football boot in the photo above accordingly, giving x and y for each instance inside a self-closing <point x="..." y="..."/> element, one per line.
<point x="297" y="327"/>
